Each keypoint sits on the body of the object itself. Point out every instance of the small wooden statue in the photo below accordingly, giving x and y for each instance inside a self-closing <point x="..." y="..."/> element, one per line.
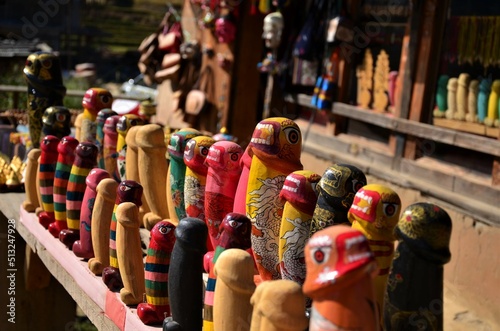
<point x="276" y="146"/>
<point x="336" y="191"/>
<point x="46" y="173"/>
<point x="414" y="297"/>
<point x="94" y="100"/>
<point x="83" y="247"/>
<point x="185" y="278"/>
<point x="157" y="306"/>
<point x="31" y="203"/>
<point x="462" y="94"/>
<point x="340" y="268"/>
<point x="441" y="96"/>
<point x="109" y="146"/>
<point x="471" y="115"/>
<point x="66" y="150"/>
<point x="482" y="99"/>
<point x="85" y="160"/>
<point x="375" y="212"/>
<point x="56" y="121"/>
<point x="124" y="124"/>
<point x="365" y="80"/>
<point x="381" y="82"/>
<point x="101" y="220"/>
<point x="224" y="169"/>
<point x="102" y="116"/>
<point x="240" y="197"/>
<point x="492" y="118"/>
<point x="452" y="98"/>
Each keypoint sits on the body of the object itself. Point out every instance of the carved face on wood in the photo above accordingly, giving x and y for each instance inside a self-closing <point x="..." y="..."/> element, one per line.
<point x="178" y="142"/>
<point x="43" y="70"/>
<point x="196" y="152"/>
<point x="49" y="144"/>
<point x="299" y="189"/>
<point x="67" y="145"/>
<point x="235" y="231"/>
<point x="225" y="156"/>
<point x="272" y="30"/>
<point x="163" y="234"/>
<point x="129" y="191"/>
<point x="97" y="98"/>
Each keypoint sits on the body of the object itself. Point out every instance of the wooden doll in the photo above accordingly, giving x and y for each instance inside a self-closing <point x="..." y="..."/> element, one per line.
<point x="177" y="173"/>
<point x="300" y="199"/>
<point x="124" y="124"/>
<point x="101" y="221"/>
<point x="336" y="191"/>
<point x="234" y="232"/>
<point x="482" y="99"/>
<point x="127" y="191"/>
<point x="235" y="274"/>
<point x="85" y="160"/>
<point x="441" y="96"/>
<point x="462" y="94"/>
<point x="381" y="82"/>
<point x="276" y="145"/>
<point x="46" y="173"/>
<point x="375" y="212"/>
<point x="452" y="98"/>
<point x="56" y="121"/>
<point x="492" y="118"/>
<point x="94" y="100"/>
<point x="129" y="253"/>
<point x="365" y="80"/>
<point x="151" y="158"/>
<point x="83" y="247"/>
<point x="109" y="146"/>
<point x="185" y="278"/>
<point x="66" y="149"/>
<point x="240" y="197"/>
<point x="224" y="169"/>
<point x="157" y="306"/>
<point x="340" y="268"/>
<point x="414" y="297"/>
<point x="42" y="72"/>
<point x="471" y="115"/>
<point x="31" y="203"/>
<point x="102" y="116"/>
<point x="278" y="305"/>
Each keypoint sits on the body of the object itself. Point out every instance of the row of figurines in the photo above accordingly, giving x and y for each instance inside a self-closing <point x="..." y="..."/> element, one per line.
<point x="290" y="211"/>
<point x="466" y="99"/>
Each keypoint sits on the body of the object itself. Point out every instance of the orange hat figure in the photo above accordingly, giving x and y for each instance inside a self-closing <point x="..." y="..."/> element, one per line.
<point x="94" y="100"/>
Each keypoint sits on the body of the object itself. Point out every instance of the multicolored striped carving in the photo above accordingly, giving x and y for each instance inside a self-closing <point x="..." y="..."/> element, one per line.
<point x="109" y="146"/>
<point x="124" y="124"/>
<point x="157" y="305"/>
<point x="102" y="116"/>
<point x="46" y="172"/>
<point x="56" y="121"/>
<point x="94" y="100"/>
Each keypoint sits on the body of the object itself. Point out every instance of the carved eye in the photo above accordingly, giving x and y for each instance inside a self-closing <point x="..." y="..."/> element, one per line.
<point x="125" y="188"/>
<point x="234" y="157"/>
<point x="164" y="229"/>
<point x="46" y="141"/>
<point x="104" y="98"/>
<point x="60" y="117"/>
<point x="203" y="151"/>
<point x="389" y="209"/>
<point x="47" y="63"/>
<point x="28" y="63"/>
<point x="233" y="223"/>
<point x="320" y="254"/>
<point x="292" y="135"/>
<point x="357" y="185"/>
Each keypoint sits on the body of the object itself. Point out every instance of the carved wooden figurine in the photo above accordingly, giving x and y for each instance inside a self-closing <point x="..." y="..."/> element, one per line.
<point x="66" y="150"/>
<point x="101" y="220"/>
<point x="46" y="173"/>
<point x="375" y="212"/>
<point x="336" y="191"/>
<point x="278" y="305"/>
<point x="462" y="94"/>
<point x="42" y="73"/>
<point x="492" y="118"/>
<point x="31" y="203"/>
<point x="365" y="80"/>
<point x="83" y="247"/>
<point x="240" y="197"/>
<point x="102" y="116"/>
<point x="56" y="121"/>
<point x="471" y="115"/>
<point x="151" y="157"/>
<point x="129" y="253"/>
<point x="94" y="100"/>
<point x="185" y="287"/>
<point x="414" y="297"/>
<point x="127" y="191"/>
<point x="85" y="160"/>
<point x="224" y="169"/>
<point x="441" y="96"/>
<point x="235" y="285"/>
<point x="340" y="268"/>
<point x="124" y="124"/>
<point x="109" y="146"/>
<point x="452" y="98"/>
<point x="482" y="99"/>
<point x="157" y="306"/>
<point x="381" y="82"/>
<point x="300" y="196"/>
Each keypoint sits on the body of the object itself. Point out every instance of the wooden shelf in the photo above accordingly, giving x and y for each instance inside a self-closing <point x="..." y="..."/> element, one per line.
<point x="474" y="128"/>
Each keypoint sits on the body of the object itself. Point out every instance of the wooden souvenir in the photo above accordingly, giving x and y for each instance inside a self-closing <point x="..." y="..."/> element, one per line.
<point x="56" y="121"/>
<point x="340" y="271"/>
<point x="300" y="197"/>
<point x="85" y="160"/>
<point x="452" y="98"/>
<point x="224" y="169"/>
<point x="185" y="278"/>
<point x="375" y="212"/>
<point x="414" y="297"/>
<point x="38" y="209"/>
<point x="83" y="247"/>
<point x="78" y="126"/>
<point x="151" y="157"/>
<point x="441" y="96"/>
<point x="276" y="146"/>
<point x="124" y="124"/>
<point x="127" y="191"/>
<point x="492" y="118"/>
<point x="482" y="99"/>
<point x="43" y="75"/>
<point x="101" y="220"/>
<point x="381" y="82"/>
<point x="234" y="232"/>
<point x="31" y="203"/>
<point x="94" y="100"/>
<point x="109" y="153"/>
<point x="177" y="173"/>
<point x="278" y="305"/>
<point x="471" y="115"/>
<point x="129" y="253"/>
<point x="240" y="197"/>
<point x="462" y="94"/>
<point x="46" y="172"/>
<point x="102" y="116"/>
<point x="235" y="274"/>
<point x="365" y="80"/>
<point x="157" y="306"/>
<point x="336" y="191"/>
<point x="66" y="149"/>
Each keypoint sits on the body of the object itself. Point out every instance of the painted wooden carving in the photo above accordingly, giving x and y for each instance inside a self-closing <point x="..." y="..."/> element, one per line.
<point x="185" y="287"/>
<point x="276" y="145"/>
<point x="493" y="101"/>
<point x="452" y="98"/>
<point x="102" y="116"/>
<point x="365" y="80"/>
<point x="101" y="220"/>
<point x="109" y="146"/>
<point x="56" y="121"/>
<point x="482" y="99"/>
<point x="31" y="203"/>
<point x="66" y="150"/>
<point x="85" y="160"/>
<point x="224" y="169"/>
<point x="336" y="191"/>
<point x="381" y="82"/>
<point x="340" y="271"/>
<point x="414" y="297"/>
<point x="151" y="158"/>
<point x="441" y="96"/>
<point x="278" y="305"/>
<point x="462" y="94"/>
<point x="471" y="115"/>
<point x="94" y="100"/>
<point x="46" y="173"/>
<point x="224" y="135"/>
<point x="42" y="72"/>
<point x="124" y="124"/>
<point x="83" y="247"/>
<point x="375" y="212"/>
<point x="300" y="197"/>
<point x="235" y="285"/>
<point x="240" y="197"/>
<point x="157" y="306"/>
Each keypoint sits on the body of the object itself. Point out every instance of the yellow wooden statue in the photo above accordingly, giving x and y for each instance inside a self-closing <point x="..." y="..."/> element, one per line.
<point x="492" y="118"/>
